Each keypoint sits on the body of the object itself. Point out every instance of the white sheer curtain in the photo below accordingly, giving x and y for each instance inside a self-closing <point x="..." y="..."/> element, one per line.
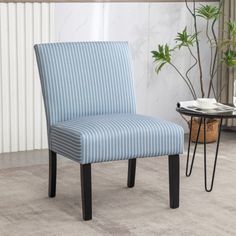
<point x="22" y="117"/>
<point x="227" y="76"/>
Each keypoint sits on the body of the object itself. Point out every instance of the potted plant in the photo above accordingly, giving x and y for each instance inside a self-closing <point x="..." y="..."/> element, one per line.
<point x="221" y="51"/>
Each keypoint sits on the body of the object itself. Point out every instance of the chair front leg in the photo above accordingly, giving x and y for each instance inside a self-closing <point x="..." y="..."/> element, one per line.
<point x="174" y="181"/>
<point x="131" y="173"/>
<point x="52" y="174"/>
<point x="86" y="190"/>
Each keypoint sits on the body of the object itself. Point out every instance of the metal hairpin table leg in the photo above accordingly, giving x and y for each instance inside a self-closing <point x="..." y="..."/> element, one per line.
<point x="216" y="155"/>
<point x="189" y="172"/>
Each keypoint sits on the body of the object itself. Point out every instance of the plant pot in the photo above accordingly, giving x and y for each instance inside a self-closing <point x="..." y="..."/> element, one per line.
<point x="212" y="130"/>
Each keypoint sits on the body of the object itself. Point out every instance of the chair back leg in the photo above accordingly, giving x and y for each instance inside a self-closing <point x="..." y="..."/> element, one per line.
<point x="131" y="173"/>
<point x="86" y="190"/>
<point x="174" y="181"/>
<point x="52" y="174"/>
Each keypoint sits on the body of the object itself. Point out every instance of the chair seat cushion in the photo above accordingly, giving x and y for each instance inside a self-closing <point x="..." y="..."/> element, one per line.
<point x="115" y="137"/>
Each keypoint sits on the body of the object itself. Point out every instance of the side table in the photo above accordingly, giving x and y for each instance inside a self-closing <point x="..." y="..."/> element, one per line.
<point x="203" y="116"/>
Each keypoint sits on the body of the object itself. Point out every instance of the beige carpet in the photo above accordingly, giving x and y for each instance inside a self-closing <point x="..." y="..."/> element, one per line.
<point x="25" y="208"/>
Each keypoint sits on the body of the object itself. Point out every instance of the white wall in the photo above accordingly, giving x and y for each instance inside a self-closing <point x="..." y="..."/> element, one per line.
<point x="144" y="25"/>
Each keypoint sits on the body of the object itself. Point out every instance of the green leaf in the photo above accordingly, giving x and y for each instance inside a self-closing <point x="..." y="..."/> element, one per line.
<point x="208" y="12"/>
<point x="161" y="56"/>
<point x="232" y="28"/>
<point x="159" y="67"/>
<point x="230" y="58"/>
<point x="184" y="39"/>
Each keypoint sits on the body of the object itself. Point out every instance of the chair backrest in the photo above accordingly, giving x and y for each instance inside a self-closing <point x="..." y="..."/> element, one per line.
<point x="85" y="78"/>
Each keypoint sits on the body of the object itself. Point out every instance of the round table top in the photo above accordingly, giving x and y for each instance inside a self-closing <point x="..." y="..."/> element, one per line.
<point x="207" y="114"/>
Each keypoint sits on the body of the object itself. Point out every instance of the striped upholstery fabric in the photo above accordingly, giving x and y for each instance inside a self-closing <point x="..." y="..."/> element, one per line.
<point x="115" y="137"/>
<point x="90" y="105"/>
<point x="85" y="78"/>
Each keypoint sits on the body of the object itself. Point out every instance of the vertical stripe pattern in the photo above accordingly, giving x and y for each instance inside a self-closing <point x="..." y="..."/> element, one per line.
<point x="89" y="99"/>
<point x="116" y="137"/>
<point x="86" y="78"/>
<point x="21" y="26"/>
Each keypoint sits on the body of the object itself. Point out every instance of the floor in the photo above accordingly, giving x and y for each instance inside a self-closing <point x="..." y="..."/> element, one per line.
<point x="25" y="208"/>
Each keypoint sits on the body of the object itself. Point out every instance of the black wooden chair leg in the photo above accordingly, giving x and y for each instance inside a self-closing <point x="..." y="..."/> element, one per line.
<point x="86" y="191"/>
<point x="131" y="173"/>
<point x="52" y="174"/>
<point x="174" y="180"/>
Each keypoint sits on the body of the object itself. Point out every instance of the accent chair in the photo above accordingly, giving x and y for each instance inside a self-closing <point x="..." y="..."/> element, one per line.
<point x="91" y="115"/>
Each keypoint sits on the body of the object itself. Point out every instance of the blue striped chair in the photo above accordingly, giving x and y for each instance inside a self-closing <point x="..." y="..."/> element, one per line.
<point x="90" y="108"/>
